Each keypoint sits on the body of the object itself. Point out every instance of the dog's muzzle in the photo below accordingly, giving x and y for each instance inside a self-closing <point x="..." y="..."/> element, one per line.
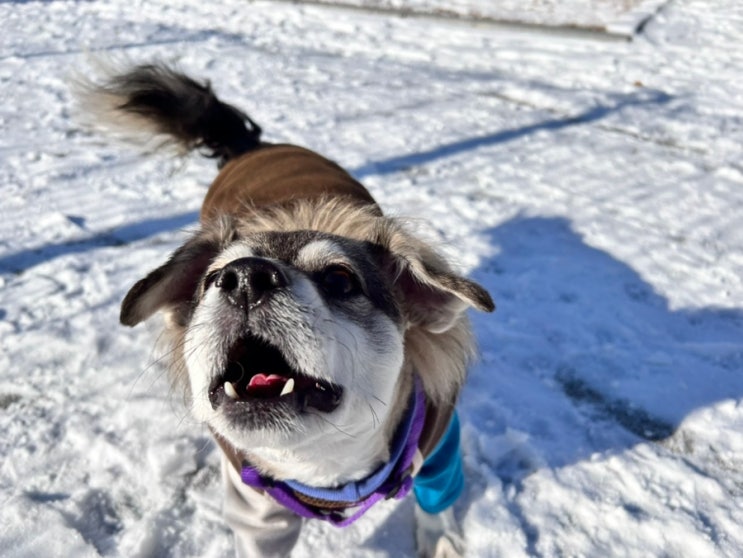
<point x="256" y="374"/>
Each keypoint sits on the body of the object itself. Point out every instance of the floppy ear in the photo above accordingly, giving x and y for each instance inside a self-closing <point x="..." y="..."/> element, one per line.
<point x="434" y="297"/>
<point x="173" y="285"/>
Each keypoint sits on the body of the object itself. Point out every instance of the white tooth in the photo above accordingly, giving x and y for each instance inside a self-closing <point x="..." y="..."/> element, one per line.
<point x="288" y="387"/>
<point x="230" y="390"/>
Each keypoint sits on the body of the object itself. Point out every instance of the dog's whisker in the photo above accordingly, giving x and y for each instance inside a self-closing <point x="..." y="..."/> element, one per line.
<point x="379" y="400"/>
<point x="375" y="417"/>
<point x="335" y="426"/>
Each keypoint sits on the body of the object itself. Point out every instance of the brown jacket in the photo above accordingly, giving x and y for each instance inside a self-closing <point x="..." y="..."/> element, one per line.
<point x="276" y="174"/>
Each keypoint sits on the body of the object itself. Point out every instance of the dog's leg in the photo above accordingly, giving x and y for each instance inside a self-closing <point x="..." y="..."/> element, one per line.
<point x="438" y="535"/>
<point x="262" y="528"/>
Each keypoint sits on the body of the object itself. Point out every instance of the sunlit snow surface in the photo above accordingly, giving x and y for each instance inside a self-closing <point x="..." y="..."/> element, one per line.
<point x="594" y="187"/>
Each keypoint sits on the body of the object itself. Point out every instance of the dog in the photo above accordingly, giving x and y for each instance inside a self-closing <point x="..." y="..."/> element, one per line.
<point x="322" y="343"/>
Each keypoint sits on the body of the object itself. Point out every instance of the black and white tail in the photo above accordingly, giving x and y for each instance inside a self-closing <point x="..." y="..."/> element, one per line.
<point x="170" y="108"/>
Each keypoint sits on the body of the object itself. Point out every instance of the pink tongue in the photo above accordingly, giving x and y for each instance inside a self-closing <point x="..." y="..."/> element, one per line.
<point x="262" y="381"/>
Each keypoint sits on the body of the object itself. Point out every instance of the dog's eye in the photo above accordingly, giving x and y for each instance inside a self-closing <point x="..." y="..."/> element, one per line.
<point x="210" y="278"/>
<point x="339" y="281"/>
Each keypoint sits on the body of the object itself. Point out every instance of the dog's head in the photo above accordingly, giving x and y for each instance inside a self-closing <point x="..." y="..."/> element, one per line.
<point x="303" y="326"/>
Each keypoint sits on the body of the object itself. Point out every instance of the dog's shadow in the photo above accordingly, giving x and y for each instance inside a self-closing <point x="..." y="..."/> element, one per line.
<point x="583" y="357"/>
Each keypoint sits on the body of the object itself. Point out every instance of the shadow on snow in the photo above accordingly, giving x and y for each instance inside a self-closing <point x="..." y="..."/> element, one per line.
<point x="581" y="342"/>
<point x="21" y="261"/>
<point x="397" y="164"/>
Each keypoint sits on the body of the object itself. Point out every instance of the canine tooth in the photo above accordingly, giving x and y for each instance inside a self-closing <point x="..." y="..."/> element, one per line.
<point x="230" y="390"/>
<point x="288" y="387"/>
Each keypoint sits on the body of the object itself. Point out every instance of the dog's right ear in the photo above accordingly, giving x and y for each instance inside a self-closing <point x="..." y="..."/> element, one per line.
<point x="173" y="285"/>
<point x="170" y="286"/>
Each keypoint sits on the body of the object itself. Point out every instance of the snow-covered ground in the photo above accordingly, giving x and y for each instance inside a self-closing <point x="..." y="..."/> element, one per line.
<point x="595" y="187"/>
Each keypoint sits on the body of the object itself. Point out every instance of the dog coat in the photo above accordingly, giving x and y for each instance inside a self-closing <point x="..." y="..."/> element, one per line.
<point x="278" y="174"/>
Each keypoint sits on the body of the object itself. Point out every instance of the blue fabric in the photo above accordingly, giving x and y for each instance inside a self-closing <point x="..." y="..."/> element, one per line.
<point x="441" y="479"/>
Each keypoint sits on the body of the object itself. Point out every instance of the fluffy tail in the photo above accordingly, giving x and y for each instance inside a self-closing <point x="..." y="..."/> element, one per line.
<point x="171" y="108"/>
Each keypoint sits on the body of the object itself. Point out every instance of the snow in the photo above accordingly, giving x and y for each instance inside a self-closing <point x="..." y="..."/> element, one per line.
<point x="594" y="187"/>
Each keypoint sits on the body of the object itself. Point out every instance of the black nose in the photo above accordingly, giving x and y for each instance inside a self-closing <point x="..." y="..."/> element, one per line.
<point x="249" y="281"/>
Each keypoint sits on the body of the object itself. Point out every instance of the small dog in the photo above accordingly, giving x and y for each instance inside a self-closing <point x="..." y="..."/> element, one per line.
<point x="323" y="345"/>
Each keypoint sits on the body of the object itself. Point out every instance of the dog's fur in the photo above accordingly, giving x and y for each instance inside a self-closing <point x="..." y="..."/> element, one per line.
<point x="293" y="266"/>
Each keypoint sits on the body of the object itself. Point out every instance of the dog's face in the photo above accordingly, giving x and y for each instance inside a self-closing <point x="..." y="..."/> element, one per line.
<point x="296" y="340"/>
<point x="294" y="336"/>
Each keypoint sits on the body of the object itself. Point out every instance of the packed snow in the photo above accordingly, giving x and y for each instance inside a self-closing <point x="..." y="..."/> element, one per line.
<point x="594" y="187"/>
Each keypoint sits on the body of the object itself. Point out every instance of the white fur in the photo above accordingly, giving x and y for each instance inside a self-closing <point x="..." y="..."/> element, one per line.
<point x="319" y="254"/>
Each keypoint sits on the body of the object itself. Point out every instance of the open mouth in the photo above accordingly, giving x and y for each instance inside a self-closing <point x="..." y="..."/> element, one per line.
<point x="256" y="372"/>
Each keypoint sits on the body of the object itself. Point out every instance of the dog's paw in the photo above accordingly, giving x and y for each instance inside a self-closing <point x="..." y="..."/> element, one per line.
<point x="438" y="535"/>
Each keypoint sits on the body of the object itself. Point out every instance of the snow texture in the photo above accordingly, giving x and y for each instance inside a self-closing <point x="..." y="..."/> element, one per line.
<point x="594" y="187"/>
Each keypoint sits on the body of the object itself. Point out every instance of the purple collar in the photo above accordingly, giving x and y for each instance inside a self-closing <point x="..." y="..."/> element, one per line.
<point x="391" y="480"/>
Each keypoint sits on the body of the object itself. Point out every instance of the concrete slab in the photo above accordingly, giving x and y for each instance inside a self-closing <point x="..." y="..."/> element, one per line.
<point x="621" y="18"/>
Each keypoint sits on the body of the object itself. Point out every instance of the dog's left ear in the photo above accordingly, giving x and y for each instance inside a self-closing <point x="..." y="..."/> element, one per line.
<point x="434" y="297"/>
